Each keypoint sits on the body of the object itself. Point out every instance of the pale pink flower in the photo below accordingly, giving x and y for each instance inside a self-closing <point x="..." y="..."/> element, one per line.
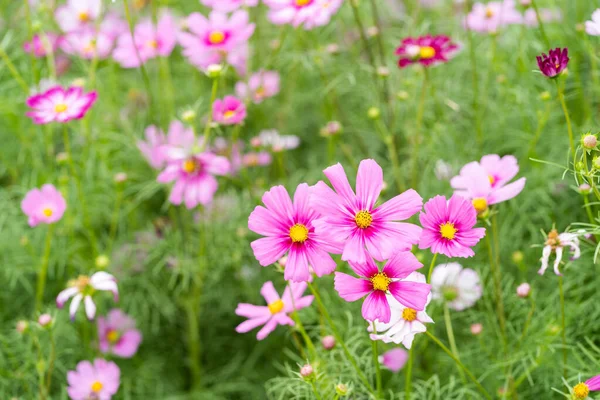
<point x="476" y="329"/>
<point x="356" y="221"/>
<point x="217" y="39"/>
<point x="546" y="14"/>
<point x="83" y="288"/>
<point x="394" y="359"/>
<point x="253" y="159"/>
<point x="322" y="13"/>
<point x="260" y="86"/>
<point x="276" y="311"/>
<point x="309" y="13"/>
<point x="99" y="381"/>
<point x="490" y="17"/>
<point x="46" y="205"/>
<point x="117" y="334"/>
<point x="229" y="5"/>
<point x="150" y="42"/>
<point x="113" y="25"/>
<point x="229" y="111"/>
<point x="42" y="44"/>
<point x="44" y="320"/>
<point x="87" y="44"/>
<point x="306" y="371"/>
<point x="555" y="243"/>
<point x="328" y="342"/>
<point x="523" y="290"/>
<point x="593" y="27"/>
<point x="459" y="287"/>
<point x="156" y="145"/>
<point x="77" y="14"/>
<point x="60" y="105"/>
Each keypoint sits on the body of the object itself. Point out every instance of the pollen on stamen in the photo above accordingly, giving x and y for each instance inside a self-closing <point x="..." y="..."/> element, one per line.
<point x="363" y="219"/>
<point x="276" y="306"/>
<point x="216" y="37"/>
<point x="97" y="386"/>
<point x="581" y="391"/>
<point x="302" y="3"/>
<point x="190" y="166"/>
<point x="47" y="212"/>
<point x="380" y="281"/>
<point x="228" y="114"/>
<point x="409" y="314"/>
<point x="448" y="231"/>
<point x="59" y="108"/>
<point x="427" y="52"/>
<point x="298" y="233"/>
<point x="480" y="204"/>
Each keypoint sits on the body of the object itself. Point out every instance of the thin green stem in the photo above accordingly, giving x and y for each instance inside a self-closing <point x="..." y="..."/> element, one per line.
<point x="528" y="320"/>
<point x="538" y="132"/>
<point x="307" y="340"/>
<point x="431" y="267"/>
<point x="540" y="22"/>
<point x="207" y="128"/>
<point x="115" y="217"/>
<point x="563" y="104"/>
<point x="316" y="390"/>
<point x="388" y="139"/>
<point x="34" y="65"/>
<point x="475" y="80"/>
<point x="450" y="333"/>
<point x="41" y="282"/>
<point x="193" y="341"/>
<point x="418" y="137"/>
<point x="460" y="365"/>
<point x="497" y="278"/>
<point x="340" y="340"/>
<point x="376" y="361"/>
<point x="408" y="378"/>
<point x="363" y="36"/>
<point x="13" y="70"/>
<point x="564" y="325"/>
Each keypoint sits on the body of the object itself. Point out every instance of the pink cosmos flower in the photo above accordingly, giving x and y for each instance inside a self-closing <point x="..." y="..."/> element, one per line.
<point x="193" y="173"/>
<point x="394" y="359"/>
<point x="260" y="86"/>
<point x="425" y="50"/>
<point x="289" y="228"/>
<point x="148" y="42"/>
<point x="486" y="182"/>
<point x="583" y="389"/>
<point x="87" y="44"/>
<point x="60" y="105"/>
<point x="100" y="380"/>
<point x="229" y="111"/>
<point x="117" y="334"/>
<point x="553" y="64"/>
<point x="45" y="205"/>
<point x="546" y="14"/>
<point x="253" y="159"/>
<point x="355" y="220"/>
<point x="309" y="13"/>
<point x="555" y="243"/>
<point x="376" y="284"/>
<point x="459" y="287"/>
<point x="276" y="311"/>
<point x="490" y="17"/>
<point x="217" y="39"/>
<point x="77" y="14"/>
<point x="41" y="45"/>
<point x="322" y="12"/>
<point x="448" y="227"/>
<point x="155" y="147"/>
<point x="228" y="5"/>
<point x="83" y="288"/>
<point x="405" y="322"/>
<point x="113" y="25"/>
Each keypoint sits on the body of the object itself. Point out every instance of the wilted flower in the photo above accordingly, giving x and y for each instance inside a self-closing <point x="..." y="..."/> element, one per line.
<point x="100" y="380"/>
<point x="60" y="105"/>
<point x="555" y="242"/>
<point x="425" y="50"/>
<point x="553" y="64"/>
<point x="45" y="205"/>
<point x="117" y="334"/>
<point x="459" y="287"/>
<point x="83" y="288"/>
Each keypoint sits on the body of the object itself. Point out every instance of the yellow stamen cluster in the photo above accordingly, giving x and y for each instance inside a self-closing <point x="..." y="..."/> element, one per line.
<point x="409" y="314"/>
<point x="153" y="44"/>
<point x="47" y="212"/>
<point x="83" y="16"/>
<point x="60" y="108"/>
<point x="228" y="114"/>
<point x="489" y="13"/>
<point x="80" y="283"/>
<point x="363" y="219"/>
<point x="216" y="37"/>
<point x="552" y="238"/>
<point x="380" y="281"/>
<point x="276" y="306"/>
<point x="298" y="233"/>
<point x="97" y="386"/>
<point x="480" y="204"/>
<point x="491" y="179"/>
<point x="426" y="52"/>
<point x="581" y="391"/>
<point x="190" y="166"/>
<point x="112" y="336"/>
<point x="448" y="231"/>
<point x="302" y="3"/>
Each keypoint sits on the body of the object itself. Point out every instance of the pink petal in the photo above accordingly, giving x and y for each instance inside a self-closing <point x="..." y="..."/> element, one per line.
<point x="507" y="192"/>
<point x="269" y="293"/>
<point x="376" y="307"/>
<point x="350" y="288"/>
<point x="410" y="294"/>
<point x="369" y="182"/>
<point x="402" y="264"/>
<point x="401" y="207"/>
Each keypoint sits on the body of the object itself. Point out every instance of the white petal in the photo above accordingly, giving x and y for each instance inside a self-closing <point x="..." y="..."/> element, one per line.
<point x="75" y="305"/>
<point x="65" y="295"/>
<point x="90" y="307"/>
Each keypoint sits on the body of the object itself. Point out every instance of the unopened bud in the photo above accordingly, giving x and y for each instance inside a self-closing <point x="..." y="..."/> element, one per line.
<point x="307" y="371"/>
<point x="120" y="177"/>
<point x="79" y="82"/>
<point x="45" y="320"/>
<point x="102" y="261"/>
<point x="214" y="71"/>
<point x="523" y="290"/>
<point x="476" y="329"/>
<point x="188" y="116"/>
<point x="383" y="72"/>
<point x="517" y="257"/>
<point x="545" y="95"/>
<point x="402" y="95"/>
<point x="341" y="389"/>
<point x="22" y="326"/>
<point x="589" y="141"/>
<point x="328" y="342"/>
<point x="374" y="113"/>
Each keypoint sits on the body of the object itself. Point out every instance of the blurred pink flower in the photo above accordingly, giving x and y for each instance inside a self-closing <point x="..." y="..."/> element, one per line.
<point x="229" y="111"/>
<point x="87" y="44"/>
<point x="593" y="27"/>
<point x="523" y="290"/>
<point x="228" y="5"/>
<point x="156" y="146"/>
<point x="100" y="380"/>
<point x="375" y="284"/>
<point x="490" y="17"/>
<point x="260" y="86"/>
<point x="253" y="159"/>
<point x="45" y="205"/>
<point x="476" y="329"/>
<point x="83" y="288"/>
<point x="276" y="311"/>
<point x="546" y="14"/>
<point x="309" y="13"/>
<point x="148" y="42"/>
<point x="113" y="25"/>
<point x="289" y="229"/>
<point x="556" y="242"/>
<point x="355" y="220"/>
<point x="217" y="39"/>
<point x="60" y="105"/>
<point x="77" y="14"/>
<point x="394" y="359"/>
<point x="41" y="45"/>
<point x="117" y="334"/>
<point x="459" y="287"/>
<point x="425" y="50"/>
<point x="448" y="227"/>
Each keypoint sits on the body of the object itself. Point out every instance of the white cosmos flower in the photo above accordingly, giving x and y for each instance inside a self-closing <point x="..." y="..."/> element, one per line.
<point x="405" y="322"/>
<point x="593" y="27"/>
<point x="459" y="287"/>
<point x="555" y="243"/>
<point x="272" y="138"/>
<point x="83" y="288"/>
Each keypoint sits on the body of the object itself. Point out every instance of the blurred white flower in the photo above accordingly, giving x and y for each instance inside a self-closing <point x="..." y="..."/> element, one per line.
<point x="555" y="242"/>
<point x="459" y="287"/>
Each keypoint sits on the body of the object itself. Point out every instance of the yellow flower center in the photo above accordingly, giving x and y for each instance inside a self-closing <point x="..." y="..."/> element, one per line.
<point x="260" y="92"/>
<point x="97" y="386"/>
<point x="448" y="231"/>
<point x="59" y="108"/>
<point x="491" y="179"/>
<point x="153" y="44"/>
<point x="489" y="13"/>
<point x="228" y="114"/>
<point x="47" y="212"/>
<point x="276" y="306"/>
<point x="302" y="3"/>
<point x="380" y="281"/>
<point x="216" y="37"/>
<point x="190" y="166"/>
<point x="480" y="204"/>
<point x="363" y="219"/>
<point x="581" y="391"/>
<point x="427" y="52"/>
<point x="84" y="17"/>
<point x="409" y="314"/>
<point x="112" y="336"/>
<point x="298" y="233"/>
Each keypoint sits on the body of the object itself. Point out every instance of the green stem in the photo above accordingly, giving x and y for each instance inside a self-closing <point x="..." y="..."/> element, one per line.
<point x="51" y="361"/>
<point x="34" y="65"/>
<point x="363" y="36"/>
<point x="207" y="128"/>
<point x="41" y="282"/>
<point x="540" y="22"/>
<point x="339" y="339"/>
<point x="460" y="365"/>
<point x="193" y="341"/>
<point x="307" y="340"/>
<point x="497" y="278"/>
<point x="376" y="361"/>
<point x="13" y="70"/>
<point x="450" y="332"/>
<point x="541" y="124"/>
<point x="431" y="267"/>
<point x="561" y="98"/>
<point x="474" y="57"/>
<point x="388" y="139"/>
<point x="564" y="325"/>
<point x="528" y="320"/>
<point x="418" y="137"/>
<point x="408" y="379"/>
<point x="316" y="390"/>
<point x="115" y="217"/>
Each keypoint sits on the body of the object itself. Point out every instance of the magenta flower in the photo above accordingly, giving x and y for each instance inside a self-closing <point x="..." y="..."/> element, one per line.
<point x="582" y="389"/>
<point x="353" y="219"/>
<point x="289" y="228"/>
<point x="100" y="380"/>
<point x="555" y="63"/>
<point x="45" y="205"/>
<point x="229" y="111"/>
<point x="87" y="44"/>
<point x="156" y="146"/>
<point x="83" y="288"/>
<point x="77" y="14"/>
<point x="217" y="39"/>
<point x="148" y="42"/>
<point x="60" y="105"/>
<point x="425" y="50"/>
<point x="490" y="17"/>
<point x="275" y="312"/>
<point x="117" y="334"/>
<point x="309" y="13"/>
<point x="260" y="86"/>
<point x="41" y="45"/>
<point x="376" y="284"/>
<point x="486" y="182"/>
<point x="228" y="5"/>
<point x="448" y="227"/>
<point x="394" y="359"/>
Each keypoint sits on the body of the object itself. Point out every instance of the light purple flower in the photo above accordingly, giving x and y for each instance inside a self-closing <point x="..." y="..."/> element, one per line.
<point x="156" y="145"/>
<point x="260" y="86"/>
<point x="60" y="105"/>
<point x="77" y="14"/>
<point x="41" y="45"/>
<point x="87" y="44"/>
<point x="45" y="205"/>
<point x="117" y="334"/>
<point x="99" y="381"/>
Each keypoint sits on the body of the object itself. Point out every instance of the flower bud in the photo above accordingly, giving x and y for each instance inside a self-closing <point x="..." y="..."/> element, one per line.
<point x="584" y="188"/>
<point x="517" y="257"/>
<point x="372" y="31"/>
<point x="22" y="326"/>
<point x="402" y="95"/>
<point x="523" y="290"/>
<point x="374" y="113"/>
<point x="332" y="48"/>
<point x="24" y="241"/>
<point x="102" y="261"/>
<point x="341" y="389"/>
<point x="307" y="371"/>
<point x="62" y="157"/>
<point x="45" y="320"/>
<point x="476" y="329"/>
<point x="188" y="116"/>
<point x="589" y="141"/>
<point x="545" y="95"/>
<point x="526" y="3"/>
<point x="596" y="162"/>
<point x="214" y="71"/>
<point x="383" y="72"/>
<point x="120" y="177"/>
<point x="79" y="82"/>
<point x="328" y="342"/>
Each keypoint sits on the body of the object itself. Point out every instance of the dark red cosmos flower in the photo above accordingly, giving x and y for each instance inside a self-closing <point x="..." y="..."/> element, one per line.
<point x="554" y="64"/>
